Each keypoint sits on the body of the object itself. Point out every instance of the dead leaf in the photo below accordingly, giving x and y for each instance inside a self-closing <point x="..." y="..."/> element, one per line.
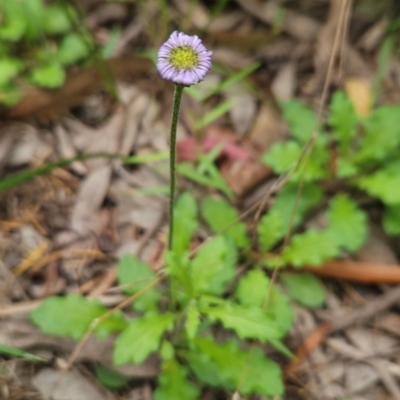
<point x="284" y="84"/>
<point x="360" y="377"/>
<point x="360" y="94"/>
<point x="268" y="128"/>
<point x="85" y="214"/>
<point x="300" y="26"/>
<point x="73" y="385"/>
<point x="374" y="35"/>
<point x="243" y="112"/>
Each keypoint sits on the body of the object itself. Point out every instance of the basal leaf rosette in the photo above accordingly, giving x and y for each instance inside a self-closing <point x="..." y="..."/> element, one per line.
<point x="183" y="59"/>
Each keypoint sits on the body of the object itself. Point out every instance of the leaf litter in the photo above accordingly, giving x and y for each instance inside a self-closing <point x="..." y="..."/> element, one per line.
<point x="99" y="206"/>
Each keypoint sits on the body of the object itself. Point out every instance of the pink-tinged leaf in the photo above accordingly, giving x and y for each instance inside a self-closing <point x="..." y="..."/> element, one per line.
<point x="229" y="150"/>
<point x="187" y="149"/>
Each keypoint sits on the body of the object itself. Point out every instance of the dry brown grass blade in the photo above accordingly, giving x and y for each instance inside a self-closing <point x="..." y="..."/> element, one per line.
<point x="358" y="271"/>
<point x="48" y="104"/>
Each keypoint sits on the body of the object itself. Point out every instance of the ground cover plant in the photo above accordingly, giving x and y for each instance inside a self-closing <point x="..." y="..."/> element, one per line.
<point x="38" y="42"/>
<point x="182" y="329"/>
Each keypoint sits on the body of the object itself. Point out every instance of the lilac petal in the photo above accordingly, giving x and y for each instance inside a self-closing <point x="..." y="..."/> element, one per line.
<point x="164" y="52"/>
<point x="183" y="76"/>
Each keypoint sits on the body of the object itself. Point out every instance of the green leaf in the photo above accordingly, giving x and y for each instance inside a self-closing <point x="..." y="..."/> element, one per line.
<point x="343" y="119"/>
<point x="252" y="288"/>
<point x="383" y="184"/>
<point x="141" y="338"/>
<point x="73" y="47"/>
<point x="315" y="166"/>
<point x="14" y="352"/>
<point x="174" y="384"/>
<point x="305" y="288"/>
<point x="345" y="167"/>
<point x="212" y="267"/>
<point x="51" y="76"/>
<point x="109" y="378"/>
<point x="391" y="220"/>
<point x="9" y="68"/>
<point x="232" y="78"/>
<point x="179" y="269"/>
<point x="248" y="322"/>
<point x="301" y="119"/>
<point x="219" y="215"/>
<point x="255" y="289"/>
<point x="192" y="321"/>
<point x="270" y="229"/>
<point x="347" y="222"/>
<point x="167" y="351"/>
<point x="9" y="95"/>
<point x="223" y="364"/>
<point x="218" y="111"/>
<point x="57" y="18"/>
<point x="185" y="223"/>
<point x="382" y="134"/>
<point x="311" y="248"/>
<point x="134" y="275"/>
<point x="33" y="10"/>
<point x="213" y="177"/>
<point x="285" y="201"/>
<point x="282" y="156"/>
<point x="14" y="24"/>
<point x="262" y="376"/>
<point x="72" y="316"/>
<point x="109" y="47"/>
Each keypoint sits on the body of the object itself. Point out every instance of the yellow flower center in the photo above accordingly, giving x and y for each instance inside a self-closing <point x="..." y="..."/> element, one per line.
<point x="184" y="57"/>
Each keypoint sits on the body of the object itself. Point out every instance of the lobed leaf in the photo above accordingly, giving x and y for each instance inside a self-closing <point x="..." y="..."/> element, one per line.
<point x="282" y="156"/>
<point x="343" y="119"/>
<point x="9" y="68"/>
<point x="134" y="274"/>
<point x="174" y="384"/>
<point x="219" y="214"/>
<point x="270" y="229"/>
<point x="286" y="202"/>
<point x="212" y="267"/>
<point x="57" y="18"/>
<point x="305" y="288"/>
<point x="223" y="364"/>
<point x="185" y="223"/>
<point x="391" y="220"/>
<point x="72" y="316"/>
<point x="382" y="134"/>
<point x="248" y="322"/>
<point x="50" y="76"/>
<point x="192" y="321"/>
<point x="301" y="119"/>
<point x="73" y="47"/>
<point x="254" y="289"/>
<point x="311" y="248"/>
<point x="141" y="337"/>
<point x="347" y="222"/>
<point x="383" y="184"/>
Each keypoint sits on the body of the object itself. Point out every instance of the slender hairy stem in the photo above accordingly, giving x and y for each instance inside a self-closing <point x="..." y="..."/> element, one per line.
<point x="172" y="160"/>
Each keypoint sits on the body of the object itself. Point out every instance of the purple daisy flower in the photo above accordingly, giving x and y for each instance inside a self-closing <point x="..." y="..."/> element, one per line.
<point x="183" y="59"/>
